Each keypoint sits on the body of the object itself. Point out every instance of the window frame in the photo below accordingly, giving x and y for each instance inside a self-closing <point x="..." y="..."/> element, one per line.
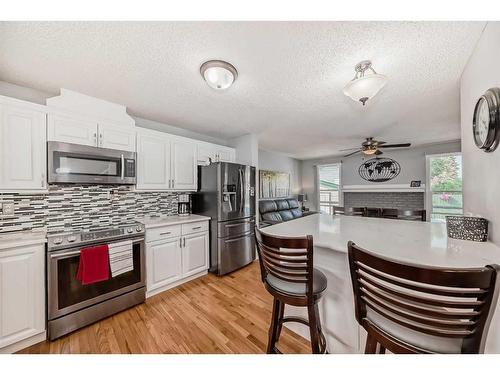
<point x="318" y="185"/>
<point x="428" y="191"/>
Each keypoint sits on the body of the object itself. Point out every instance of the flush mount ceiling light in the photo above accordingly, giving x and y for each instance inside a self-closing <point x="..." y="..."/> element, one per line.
<point x="365" y="84"/>
<point x="218" y="74"/>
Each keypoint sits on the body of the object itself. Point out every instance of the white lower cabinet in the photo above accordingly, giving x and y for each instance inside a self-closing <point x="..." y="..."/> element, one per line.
<point x="194" y="254"/>
<point x="22" y="294"/>
<point x="175" y="255"/>
<point x="164" y="263"/>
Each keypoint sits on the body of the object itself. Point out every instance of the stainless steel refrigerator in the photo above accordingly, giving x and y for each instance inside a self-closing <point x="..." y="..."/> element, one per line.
<point x="226" y="193"/>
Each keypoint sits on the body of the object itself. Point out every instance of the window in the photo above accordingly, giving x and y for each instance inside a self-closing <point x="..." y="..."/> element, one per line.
<point x="329" y="187"/>
<point x="444" y="186"/>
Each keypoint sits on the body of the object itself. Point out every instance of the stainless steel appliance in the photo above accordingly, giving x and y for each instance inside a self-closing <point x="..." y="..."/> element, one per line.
<point x="70" y="163"/>
<point x="72" y="305"/>
<point x="227" y="194"/>
<point x="184" y="204"/>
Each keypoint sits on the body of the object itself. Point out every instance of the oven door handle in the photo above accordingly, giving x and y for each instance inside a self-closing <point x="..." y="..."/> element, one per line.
<point x="60" y="255"/>
<point x="123" y="168"/>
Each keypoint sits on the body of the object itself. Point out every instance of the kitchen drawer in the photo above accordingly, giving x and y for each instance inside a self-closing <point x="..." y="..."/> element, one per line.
<point x="235" y="228"/>
<point x="199" y="226"/>
<point x="155" y="234"/>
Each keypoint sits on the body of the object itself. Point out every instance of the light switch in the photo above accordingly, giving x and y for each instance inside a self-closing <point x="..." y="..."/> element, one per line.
<point x="8" y="208"/>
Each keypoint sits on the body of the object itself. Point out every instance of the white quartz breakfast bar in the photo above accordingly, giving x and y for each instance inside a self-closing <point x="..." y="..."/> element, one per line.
<point x="414" y="242"/>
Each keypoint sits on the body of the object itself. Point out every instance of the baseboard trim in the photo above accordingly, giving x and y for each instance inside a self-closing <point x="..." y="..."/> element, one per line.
<point x="23" y="344"/>
<point x="153" y="292"/>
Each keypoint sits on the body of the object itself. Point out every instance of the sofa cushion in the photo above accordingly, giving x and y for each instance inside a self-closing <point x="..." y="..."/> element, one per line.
<point x="296" y="212"/>
<point x="293" y="203"/>
<point x="286" y="215"/>
<point x="282" y="204"/>
<point x="267" y="206"/>
<point x="272" y="217"/>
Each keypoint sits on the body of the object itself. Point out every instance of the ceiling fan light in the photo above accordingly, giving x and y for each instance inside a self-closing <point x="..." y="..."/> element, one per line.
<point x="370" y="151"/>
<point x="364" y="88"/>
<point x="218" y="74"/>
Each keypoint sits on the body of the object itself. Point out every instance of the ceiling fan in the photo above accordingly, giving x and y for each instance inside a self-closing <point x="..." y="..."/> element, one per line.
<point x="371" y="147"/>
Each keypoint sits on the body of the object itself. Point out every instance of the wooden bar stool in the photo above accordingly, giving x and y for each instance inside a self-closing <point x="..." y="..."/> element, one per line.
<point x="413" y="215"/>
<point x="286" y="266"/>
<point x="411" y="309"/>
<point x="349" y="211"/>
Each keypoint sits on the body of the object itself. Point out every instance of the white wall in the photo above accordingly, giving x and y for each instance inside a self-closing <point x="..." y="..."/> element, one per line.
<point x="412" y="163"/>
<point x="273" y="161"/>
<point x="481" y="170"/>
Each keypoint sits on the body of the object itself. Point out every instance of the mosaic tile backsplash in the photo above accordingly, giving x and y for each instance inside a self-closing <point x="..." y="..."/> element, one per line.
<point x="81" y="206"/>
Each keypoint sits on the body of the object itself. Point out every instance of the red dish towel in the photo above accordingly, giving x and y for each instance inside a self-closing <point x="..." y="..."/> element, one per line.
<point x="94" y="265"/>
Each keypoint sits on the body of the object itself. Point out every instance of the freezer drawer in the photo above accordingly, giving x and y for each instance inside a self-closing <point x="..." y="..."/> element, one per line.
<point x="235" y="252"/>
<point x="235" y="228"/>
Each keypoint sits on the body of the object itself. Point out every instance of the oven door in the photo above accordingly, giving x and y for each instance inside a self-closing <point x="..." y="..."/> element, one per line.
<point x="70" y="163"/>
<point x="66" y="294"/>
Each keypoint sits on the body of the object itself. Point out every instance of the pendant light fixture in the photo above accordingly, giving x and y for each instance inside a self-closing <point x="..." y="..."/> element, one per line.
<point x="365" y="84"/>
<point x="218" y="74"/>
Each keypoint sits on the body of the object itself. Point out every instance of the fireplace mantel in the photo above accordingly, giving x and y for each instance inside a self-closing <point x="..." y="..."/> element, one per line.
<point x="382" y="188"/>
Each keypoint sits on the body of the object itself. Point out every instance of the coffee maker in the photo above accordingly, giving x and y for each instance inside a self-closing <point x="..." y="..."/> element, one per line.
<point x="184" y="204"/>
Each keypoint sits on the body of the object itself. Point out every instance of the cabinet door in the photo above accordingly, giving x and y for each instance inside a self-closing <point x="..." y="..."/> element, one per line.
<point x="194" y="254"/>
<point x="116" y="137"/>
<point x="163" y="262"/>
<point x="184" y="165"/>
<point x="226" y="154"/>
<point x="64" y="128"/>
<point x="153" y="162"/>
<point x="22" y="293"/>
<point x="23" y="148"/>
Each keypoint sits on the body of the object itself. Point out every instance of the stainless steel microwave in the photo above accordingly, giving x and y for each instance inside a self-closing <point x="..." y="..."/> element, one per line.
<point x="71" y="163"/>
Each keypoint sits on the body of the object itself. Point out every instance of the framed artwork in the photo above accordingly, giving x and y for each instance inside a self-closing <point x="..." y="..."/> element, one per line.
<point x="415" y="184"/>
<point x="274" y="184"/>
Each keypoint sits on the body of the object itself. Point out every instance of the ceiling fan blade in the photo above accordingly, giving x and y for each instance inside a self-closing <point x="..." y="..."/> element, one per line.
<point x="349" y="149"/>
<point x="381" y="142"/>
<point x="352" y="153"/>
<point x="396" y="145"/>
<point x="378" y="152"/>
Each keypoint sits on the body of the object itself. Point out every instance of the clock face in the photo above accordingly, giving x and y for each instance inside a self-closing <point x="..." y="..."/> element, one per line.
<point x="483" y="121"/>
<point x="486" y="124"/>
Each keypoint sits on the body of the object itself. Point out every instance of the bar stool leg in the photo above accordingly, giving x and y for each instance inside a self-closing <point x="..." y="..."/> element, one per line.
<point x="314" y="320"/>
<point x="373" y="347"/>
<point x="273" y="329"/>
<point x="280" y="317"/>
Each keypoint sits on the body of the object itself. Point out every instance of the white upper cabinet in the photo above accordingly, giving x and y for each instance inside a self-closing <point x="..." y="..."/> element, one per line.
<point x="22" y="146"/>
<point x="210" y="151"/>
<point x="153" y="160"/>
<point x="116" y="137"/>
<point x="72" y="129"/>
<point x="165" y="162"/>
<point x="184" y="165"/>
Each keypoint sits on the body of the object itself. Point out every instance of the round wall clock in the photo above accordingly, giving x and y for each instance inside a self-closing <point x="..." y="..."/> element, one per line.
<point x="486" y="123"/>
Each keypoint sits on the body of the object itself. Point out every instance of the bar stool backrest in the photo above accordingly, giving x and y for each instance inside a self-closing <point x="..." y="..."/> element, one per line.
<point x="414" y="309"/>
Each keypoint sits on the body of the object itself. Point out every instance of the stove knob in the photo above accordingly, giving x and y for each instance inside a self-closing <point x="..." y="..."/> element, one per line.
<point x="71" y="238"/>
<point x="138" y="228"/>
<point x="130" y="230"/>
<point x="58" y="240"/>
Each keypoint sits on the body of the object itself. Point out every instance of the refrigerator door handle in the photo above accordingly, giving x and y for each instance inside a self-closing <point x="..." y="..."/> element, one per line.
<point x="242" y="188"/>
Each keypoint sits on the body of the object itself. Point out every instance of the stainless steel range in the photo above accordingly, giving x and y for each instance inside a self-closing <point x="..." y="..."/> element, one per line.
<point x="72" y="305"/>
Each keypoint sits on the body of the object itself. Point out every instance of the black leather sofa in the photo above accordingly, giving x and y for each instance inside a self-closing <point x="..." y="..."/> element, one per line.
<point x="274" y="211"/>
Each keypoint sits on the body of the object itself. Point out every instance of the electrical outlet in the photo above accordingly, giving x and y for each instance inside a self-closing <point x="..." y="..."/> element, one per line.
<point x="7" y="208"/>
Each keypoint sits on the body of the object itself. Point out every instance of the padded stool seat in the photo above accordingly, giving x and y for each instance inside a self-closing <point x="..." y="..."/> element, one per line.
<point x="298" y="289"/>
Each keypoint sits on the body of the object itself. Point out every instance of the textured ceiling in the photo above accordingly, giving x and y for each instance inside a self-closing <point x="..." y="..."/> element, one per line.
<point x="291" y="75"/>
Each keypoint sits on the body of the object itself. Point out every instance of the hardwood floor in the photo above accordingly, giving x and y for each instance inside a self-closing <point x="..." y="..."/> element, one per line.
<point x="229" y="314"/>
